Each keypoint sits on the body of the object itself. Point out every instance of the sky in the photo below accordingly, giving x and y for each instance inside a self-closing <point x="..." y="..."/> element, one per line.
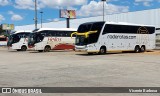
<point x="21" y="12"/>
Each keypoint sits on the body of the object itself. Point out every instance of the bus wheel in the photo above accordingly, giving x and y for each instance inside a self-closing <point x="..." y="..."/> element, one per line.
<point x="143" y="48"/>
<point x="47" y="49"/>
<point x="137" y="49"/>
<point x="23" y="48"/>
<point x="102" y="50"/>
<point x="40" y="50"/>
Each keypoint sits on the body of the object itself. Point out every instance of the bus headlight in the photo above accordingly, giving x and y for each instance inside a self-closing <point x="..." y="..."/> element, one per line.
<point x="89" y="46"/>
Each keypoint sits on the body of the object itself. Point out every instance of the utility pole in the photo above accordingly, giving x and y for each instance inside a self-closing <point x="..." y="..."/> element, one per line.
<point x="41" y="18"/>
<point x="35" y="18"/>
<point x="103" y="8"/>
<point x="68" y="23"/>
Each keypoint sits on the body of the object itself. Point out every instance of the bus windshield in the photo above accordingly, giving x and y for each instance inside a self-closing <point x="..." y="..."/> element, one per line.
<point x="13" y="39"/>
<point x="35" y="38"/>
<point x="92" y="38"/>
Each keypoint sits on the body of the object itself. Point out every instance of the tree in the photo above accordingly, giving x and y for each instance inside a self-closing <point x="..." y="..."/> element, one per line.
<point x="3" y="32"/>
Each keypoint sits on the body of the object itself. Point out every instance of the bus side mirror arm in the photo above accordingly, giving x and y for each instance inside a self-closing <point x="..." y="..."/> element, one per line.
<point x="73" y="34"/>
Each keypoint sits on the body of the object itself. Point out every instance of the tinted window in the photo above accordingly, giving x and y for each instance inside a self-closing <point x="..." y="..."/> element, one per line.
<point x="95" y="27"/>
<point x="44" y="33"/>
<point x="109" y="28"/>
<point x="151" y="30"/>
<point x="60" y="33"/>
<point x="3" y="39"/>
<point x="84" y="28"/>
<point x="22" y="35"/>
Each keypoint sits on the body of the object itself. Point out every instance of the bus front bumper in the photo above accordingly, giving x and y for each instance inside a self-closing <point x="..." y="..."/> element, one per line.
<point x="86" y="48"/>
<point x="81" y="49"/>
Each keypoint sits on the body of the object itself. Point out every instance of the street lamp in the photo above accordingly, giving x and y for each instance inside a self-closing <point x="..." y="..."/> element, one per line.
<point x="41" y="18"/>
<point x="103" y="8"/>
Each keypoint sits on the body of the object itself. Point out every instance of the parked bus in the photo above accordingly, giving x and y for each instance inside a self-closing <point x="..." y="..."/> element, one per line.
<point x="3" y="40"/>
<point x="46" y="39"/>
<point x="157" y="37"/>
<point x="101" y="37"/>
<point x="18" y="40"/>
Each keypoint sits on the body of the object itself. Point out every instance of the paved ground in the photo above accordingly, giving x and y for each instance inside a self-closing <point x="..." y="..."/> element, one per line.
<point x="71" y="69"/>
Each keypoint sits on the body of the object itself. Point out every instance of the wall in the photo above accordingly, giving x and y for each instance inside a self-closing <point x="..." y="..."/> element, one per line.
<point x="147" y="17"/>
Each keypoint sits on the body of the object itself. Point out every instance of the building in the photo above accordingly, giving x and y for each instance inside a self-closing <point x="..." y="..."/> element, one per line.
<point x="147" y="17"/>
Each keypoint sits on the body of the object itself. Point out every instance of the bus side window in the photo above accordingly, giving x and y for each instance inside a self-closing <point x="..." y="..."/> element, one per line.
<point x="44" y="33"/>
<point x="57" y="33"/>
<point x="26" y="35"/>
<point x="151" y="30"/>
<point x="49" y="33"/>
<point x="105" y="30"/>
<point x="68" y="33"/>
<point x="64" y="34"/>
<point x="61" y="33"/>
<point x="109" y="29"/>
<point x="54" y="33"/>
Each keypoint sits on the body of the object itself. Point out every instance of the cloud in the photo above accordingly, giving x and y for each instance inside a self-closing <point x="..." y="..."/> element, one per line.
<point x="53" y="20"/>
<point x="24" y="4"/>
<point x="144" y="2"/>
<point x="62" y="3"/>
<point x="15" y="17"/>
<point x="158" y="0"/>
<point x="11" y="12"/>
<point x="1" y="18"/>
<point x="4" y="2"/>
<point x="95" y="9"/>
<point x="29" y="4"/>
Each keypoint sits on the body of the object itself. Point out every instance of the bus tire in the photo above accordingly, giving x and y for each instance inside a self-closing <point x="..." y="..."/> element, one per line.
<point x="143" y="48"/>
<point x="47" y="48"/>
<point x="137" y="49"/>
<point x="23" y="48"/>
<point x="102" y="50"/>
<point x="40" y="50"/>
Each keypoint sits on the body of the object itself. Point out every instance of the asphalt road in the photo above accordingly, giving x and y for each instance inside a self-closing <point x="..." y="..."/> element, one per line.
<point x="75" y="69"/>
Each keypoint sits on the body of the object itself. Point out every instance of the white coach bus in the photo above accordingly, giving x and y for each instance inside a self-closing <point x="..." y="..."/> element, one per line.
<point x="101" y="37"/>
<point x="18" y="40"/>
<point x="46" y="39"/>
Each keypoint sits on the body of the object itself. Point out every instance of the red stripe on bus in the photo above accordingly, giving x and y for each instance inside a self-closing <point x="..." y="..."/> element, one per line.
<point x="30" y="46"/>
<point x="63" y="46"/>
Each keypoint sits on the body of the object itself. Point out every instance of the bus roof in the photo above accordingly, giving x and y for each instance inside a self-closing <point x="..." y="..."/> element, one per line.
<point x="120" y="23"/>
<point x="61" y="29"/>
<point x="127" y="23"/>
<point x="20" y="31"/>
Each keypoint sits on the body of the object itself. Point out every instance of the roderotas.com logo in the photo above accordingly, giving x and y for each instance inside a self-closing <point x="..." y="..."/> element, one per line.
<point x="121" y="37"/>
